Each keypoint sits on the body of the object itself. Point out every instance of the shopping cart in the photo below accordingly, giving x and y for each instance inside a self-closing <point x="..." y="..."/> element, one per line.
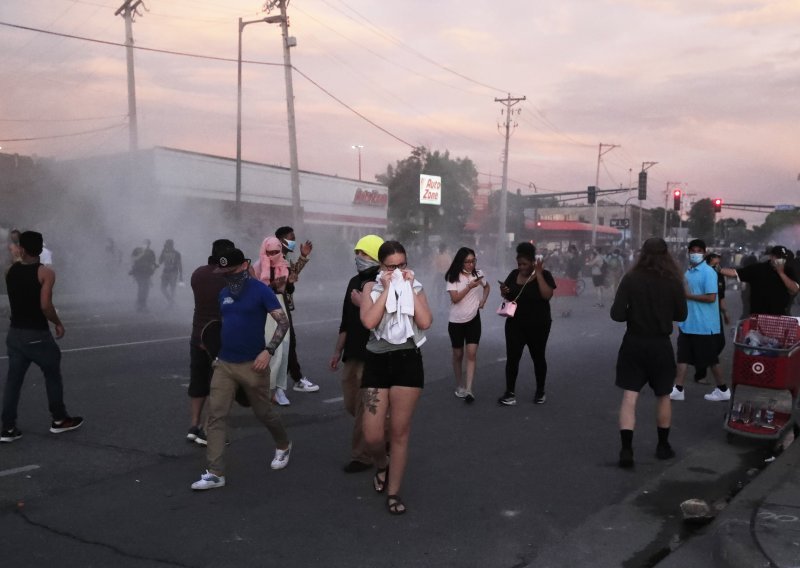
<point x="765" y="376"/>
<point x="566" y="287"/>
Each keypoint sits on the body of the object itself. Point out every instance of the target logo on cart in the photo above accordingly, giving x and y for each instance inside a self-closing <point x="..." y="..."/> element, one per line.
<point x="758" y="367"/>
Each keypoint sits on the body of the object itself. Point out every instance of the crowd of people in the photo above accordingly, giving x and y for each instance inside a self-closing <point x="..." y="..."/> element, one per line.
<point x="243" y="345"/>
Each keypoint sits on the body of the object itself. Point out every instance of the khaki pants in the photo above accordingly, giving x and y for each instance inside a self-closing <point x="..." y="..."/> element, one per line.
<point x="223" y="389"/>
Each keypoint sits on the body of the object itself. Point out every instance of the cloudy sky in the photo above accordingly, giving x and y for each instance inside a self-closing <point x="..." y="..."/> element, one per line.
<point x="706" y="88"/>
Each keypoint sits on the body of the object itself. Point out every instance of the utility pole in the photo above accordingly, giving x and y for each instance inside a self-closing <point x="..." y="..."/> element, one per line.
<point x="602" y="150"/>
<point x="128" y="11"/>
<point x="289" y="42"/>
<point x="645" y="166"/>
<point x="507" y="102"/>
<point x="666" y="204"/>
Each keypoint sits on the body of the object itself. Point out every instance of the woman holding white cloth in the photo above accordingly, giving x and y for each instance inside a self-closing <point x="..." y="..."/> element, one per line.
<point x="395" y="310"/>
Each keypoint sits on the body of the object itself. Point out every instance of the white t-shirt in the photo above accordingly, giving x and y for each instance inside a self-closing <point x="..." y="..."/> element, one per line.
<point x="465" y="310"/>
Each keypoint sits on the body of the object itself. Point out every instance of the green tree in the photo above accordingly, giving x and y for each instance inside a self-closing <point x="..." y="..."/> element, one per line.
<point x="728" y="231"/>
<point x="412" y="222"/>
<point x="653" y="224"/>
<point x="701" y="220"/>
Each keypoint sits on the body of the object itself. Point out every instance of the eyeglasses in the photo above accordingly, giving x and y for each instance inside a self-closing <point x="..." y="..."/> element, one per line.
<point x="273" y="252"/>
<point x="392" y="267"/>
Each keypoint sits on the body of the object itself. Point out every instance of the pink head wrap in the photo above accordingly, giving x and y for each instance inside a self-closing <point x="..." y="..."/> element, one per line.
<point x="276" y="262"/>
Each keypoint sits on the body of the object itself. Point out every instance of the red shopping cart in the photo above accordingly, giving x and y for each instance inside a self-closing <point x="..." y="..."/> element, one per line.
<point x="765" y="376"/>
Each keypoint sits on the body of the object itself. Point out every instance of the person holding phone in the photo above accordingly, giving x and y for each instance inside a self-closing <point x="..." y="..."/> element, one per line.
<point x="531" y="287"/>
<point x="468" y="292"/>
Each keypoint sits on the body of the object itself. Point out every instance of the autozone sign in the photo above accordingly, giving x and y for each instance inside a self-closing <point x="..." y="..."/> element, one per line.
<point x="371" y="197"/>
<point x="430" y="190"/>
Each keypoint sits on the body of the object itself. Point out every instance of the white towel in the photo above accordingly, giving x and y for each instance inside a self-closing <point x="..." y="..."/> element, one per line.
<point x="397" y="324"/>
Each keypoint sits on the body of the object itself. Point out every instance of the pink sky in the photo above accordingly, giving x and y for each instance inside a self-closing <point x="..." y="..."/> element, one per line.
<point x="707" y="88"/>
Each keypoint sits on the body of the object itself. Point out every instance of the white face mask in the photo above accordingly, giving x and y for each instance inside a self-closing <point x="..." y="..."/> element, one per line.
<point x="695" y="257"/>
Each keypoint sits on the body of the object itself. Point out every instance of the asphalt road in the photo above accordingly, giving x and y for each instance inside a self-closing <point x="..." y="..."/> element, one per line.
<point x="487" y="486"/>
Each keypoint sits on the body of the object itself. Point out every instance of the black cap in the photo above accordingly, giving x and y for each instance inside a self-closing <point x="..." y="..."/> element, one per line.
<point x="230" y="259"/>
<point x="779" y="251"/>
<point x="700" y="243"/>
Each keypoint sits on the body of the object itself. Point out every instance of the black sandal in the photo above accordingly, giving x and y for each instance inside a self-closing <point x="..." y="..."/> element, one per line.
<point x="380" y="484"/>
<point x="395" y="505"/>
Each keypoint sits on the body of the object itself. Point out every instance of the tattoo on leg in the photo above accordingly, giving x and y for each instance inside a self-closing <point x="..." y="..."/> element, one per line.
<point x="371" y="401"/>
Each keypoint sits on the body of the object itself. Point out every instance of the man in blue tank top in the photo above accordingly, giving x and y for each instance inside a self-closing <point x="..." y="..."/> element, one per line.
<point x="30" y="294"/>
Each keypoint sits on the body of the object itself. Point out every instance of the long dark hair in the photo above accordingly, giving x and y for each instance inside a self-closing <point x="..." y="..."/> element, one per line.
<point x="388" y="248"/>
<point x="655" y="258"/>
<point x="454" y="272"/>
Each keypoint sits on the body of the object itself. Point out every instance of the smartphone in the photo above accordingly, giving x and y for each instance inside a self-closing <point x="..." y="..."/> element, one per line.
<point x="501" y="283"/>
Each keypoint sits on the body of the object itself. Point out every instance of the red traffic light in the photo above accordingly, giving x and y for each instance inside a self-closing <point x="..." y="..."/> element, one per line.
<point x="717" y="205"/>
<point x="676" y="200"/>
<point x="677" y="193"/>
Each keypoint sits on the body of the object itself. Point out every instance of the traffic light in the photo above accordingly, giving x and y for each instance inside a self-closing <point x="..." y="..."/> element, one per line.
<point x="591" y="194"/>
<point x="642" y="186"/>
<point x="717" y="205"/>
<point x="676" y="204"/>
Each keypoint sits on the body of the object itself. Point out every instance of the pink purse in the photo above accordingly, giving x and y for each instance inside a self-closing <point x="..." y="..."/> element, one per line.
<point x="508" y="308"/>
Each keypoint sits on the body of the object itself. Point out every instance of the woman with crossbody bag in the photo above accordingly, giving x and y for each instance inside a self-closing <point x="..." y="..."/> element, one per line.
<point x="530" y="287"/>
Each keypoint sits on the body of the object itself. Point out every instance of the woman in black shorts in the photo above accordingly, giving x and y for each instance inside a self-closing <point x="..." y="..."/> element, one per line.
<point x="464" y="326"/>
<point x="649" y="298"/>
<point x="393" y="375"/>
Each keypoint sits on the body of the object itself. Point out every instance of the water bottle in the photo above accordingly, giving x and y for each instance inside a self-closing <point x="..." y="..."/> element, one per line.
<point x="769" y="414"/>
<point x="747" y="413"/>
<point x="757" y="419"/>
<point x="736" y="412"/>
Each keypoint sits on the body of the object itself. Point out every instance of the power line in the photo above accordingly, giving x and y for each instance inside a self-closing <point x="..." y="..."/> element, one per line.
<point x="62" y="119"/>
<point x="214" y="58"/>
<point x="419" y="54"/>
<point x="67" y="135"/>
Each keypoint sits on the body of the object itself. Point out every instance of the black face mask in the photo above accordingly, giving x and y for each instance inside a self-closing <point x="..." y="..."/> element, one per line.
<point x="236" y="281"/>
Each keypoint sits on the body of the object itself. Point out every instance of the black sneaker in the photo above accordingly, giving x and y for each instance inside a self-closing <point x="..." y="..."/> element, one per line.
<point x="191" y="435"/>
<point x="200" y="438"/>
<point x="664" y="451"/>
<point x="469" y="398"/>
<point x="539" y="398"/>
<point x="69" y="423"/>
<point x="626" y="458"/>
<point x="10" y="435"/>
<point x="508" y="399"/>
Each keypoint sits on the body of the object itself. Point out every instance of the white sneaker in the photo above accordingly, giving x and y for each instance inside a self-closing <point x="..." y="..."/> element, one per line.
<point x="280" y="397"/>
<point x="304" y="385"/>
<point x="676" y="394"/>
<point x="717" y="395"/>
<point x="281" y="459"/>
<point x="209" y="481"/>
<point x="461" y="392"/>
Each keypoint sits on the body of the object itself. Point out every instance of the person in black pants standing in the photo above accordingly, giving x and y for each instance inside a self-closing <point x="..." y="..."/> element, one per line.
<point x="649" y="298"/>
<point x="30" y="293"/>
<point x="531" y="287"/>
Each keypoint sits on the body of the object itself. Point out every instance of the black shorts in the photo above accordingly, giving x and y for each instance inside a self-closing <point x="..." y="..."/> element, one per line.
<point x="402" y="368"/>
<point x="200" y="372"/>
<point x="646" y="361"/>
<point x="698" y="350"/>
<point x="461" y="333"/>
<point x="598" y="280"/>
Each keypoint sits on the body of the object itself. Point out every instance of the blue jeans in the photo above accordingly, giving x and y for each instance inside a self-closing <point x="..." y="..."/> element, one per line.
<point x="26" y="346"/>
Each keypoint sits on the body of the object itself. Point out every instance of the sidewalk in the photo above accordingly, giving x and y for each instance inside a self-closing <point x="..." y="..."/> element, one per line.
<point x="761" y="526"/>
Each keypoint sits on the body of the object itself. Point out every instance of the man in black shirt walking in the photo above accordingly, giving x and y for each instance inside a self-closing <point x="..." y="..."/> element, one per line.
<point x="30" y="293"/>
<point x="772" y="284"/>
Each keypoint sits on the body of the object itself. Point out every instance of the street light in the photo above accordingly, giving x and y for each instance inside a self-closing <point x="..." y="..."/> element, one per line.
<point x="242" y="24"/>
<point x="358" y="147"/>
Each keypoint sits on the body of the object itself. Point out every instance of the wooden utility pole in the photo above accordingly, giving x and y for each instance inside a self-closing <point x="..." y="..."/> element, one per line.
<point x="502" y="229"/>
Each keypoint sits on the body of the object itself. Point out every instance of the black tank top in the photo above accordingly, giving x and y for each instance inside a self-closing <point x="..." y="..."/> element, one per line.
<point x="24" y="295"/>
